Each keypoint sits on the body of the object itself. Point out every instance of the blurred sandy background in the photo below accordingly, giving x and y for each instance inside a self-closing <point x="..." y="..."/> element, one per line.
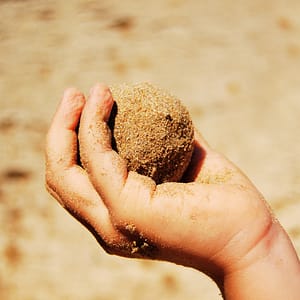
<point x="236" y="65"/>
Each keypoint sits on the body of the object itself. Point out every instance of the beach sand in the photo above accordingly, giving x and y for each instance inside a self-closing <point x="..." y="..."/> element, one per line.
<point x="235" y="64"/>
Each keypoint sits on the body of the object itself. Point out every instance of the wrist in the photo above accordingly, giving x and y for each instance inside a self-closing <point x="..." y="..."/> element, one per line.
<point x="270" y="270"/>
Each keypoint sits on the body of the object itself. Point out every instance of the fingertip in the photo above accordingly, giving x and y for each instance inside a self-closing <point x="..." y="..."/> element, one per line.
<point x="67" y="115"/>
<point x="102" y="101"/>
<point x="100" y="89"/>
<point x="72" y="104"/>
<point x="74" y="96"/>
<point x="68" y="92"/>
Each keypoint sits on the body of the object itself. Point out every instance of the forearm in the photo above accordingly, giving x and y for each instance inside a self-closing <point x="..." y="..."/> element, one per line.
<point x="275" y="274"/>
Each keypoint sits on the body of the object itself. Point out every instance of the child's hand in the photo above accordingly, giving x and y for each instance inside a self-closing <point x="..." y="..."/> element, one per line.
<point x="216" y="222"/>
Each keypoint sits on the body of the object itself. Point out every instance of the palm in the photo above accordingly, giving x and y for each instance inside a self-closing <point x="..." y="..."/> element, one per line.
<point x="196" y="220"/>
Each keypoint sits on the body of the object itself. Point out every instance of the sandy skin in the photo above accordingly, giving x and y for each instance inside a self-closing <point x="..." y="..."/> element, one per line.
<point x="186" y="223"/>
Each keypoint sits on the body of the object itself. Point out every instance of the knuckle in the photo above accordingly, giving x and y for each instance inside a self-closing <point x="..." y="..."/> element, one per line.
<point x="113" y="245"/>
<point x="109" y="248"/>
<point x="118" y="247"/>
<point x="130" y="243"/>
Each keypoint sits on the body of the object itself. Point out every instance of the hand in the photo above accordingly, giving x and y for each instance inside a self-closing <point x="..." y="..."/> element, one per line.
<point x="215" y="220"/>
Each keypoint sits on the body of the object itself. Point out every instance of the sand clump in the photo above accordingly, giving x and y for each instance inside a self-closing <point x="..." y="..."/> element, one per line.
<point x="152" y="131"/>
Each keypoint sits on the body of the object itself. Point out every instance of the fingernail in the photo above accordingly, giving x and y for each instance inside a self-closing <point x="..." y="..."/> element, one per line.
<point x="73" y="98"/>
<point x="100" y="92"/>
<point x="69" y="92"/>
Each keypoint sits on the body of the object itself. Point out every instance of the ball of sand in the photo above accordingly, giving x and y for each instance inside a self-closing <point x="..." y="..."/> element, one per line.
<point x="152" y="131"/>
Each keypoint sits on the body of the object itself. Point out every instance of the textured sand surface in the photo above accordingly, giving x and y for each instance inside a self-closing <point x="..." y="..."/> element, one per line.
<point x="152" y="130"/>
<point x="234" y="63"/>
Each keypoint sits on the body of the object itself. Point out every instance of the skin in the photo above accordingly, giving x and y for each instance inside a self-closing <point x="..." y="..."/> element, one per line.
<point x="215" y="221"/>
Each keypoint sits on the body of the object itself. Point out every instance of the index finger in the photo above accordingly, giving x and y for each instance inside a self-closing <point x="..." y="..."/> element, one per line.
<point x="61" y="148"/>
<point x="107" y="170"/>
